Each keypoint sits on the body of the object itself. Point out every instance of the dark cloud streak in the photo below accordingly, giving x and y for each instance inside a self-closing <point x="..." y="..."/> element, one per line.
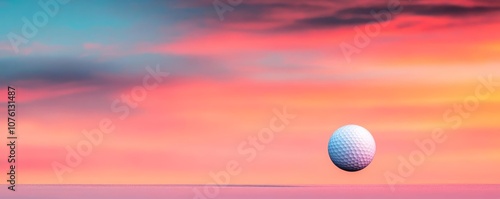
<point x="449" y="10"/>
<point x="363" y="15"/>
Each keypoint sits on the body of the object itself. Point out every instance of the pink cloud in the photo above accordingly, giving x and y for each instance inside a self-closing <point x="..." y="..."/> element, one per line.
<point x="92" y="46"/>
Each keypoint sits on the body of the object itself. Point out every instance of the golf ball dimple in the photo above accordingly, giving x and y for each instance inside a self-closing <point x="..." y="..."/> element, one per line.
<point x="351" y="148"/>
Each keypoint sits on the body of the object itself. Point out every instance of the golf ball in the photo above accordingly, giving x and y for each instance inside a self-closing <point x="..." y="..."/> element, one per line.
<point x="351" y="148"/>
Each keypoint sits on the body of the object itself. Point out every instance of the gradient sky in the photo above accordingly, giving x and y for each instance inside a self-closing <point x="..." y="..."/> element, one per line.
<point x="226" y="77"/>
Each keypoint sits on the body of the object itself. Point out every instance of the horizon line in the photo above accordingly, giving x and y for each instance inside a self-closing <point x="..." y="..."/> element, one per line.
<point x="262" y="185"/>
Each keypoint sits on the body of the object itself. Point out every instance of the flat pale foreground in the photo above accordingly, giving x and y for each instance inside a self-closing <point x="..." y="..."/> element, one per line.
<point x="252" y="192"/>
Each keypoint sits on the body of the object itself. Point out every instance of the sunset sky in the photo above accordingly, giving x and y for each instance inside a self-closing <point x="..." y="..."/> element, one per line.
<point x="227" y="78"/>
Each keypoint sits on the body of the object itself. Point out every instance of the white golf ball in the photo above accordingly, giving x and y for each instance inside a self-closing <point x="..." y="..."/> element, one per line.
<point x="351" y="148"/>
